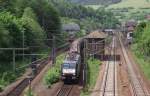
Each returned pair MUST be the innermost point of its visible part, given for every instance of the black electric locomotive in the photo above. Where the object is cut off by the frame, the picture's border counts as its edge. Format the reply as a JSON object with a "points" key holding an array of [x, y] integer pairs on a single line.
{"points": [[71, 66]]}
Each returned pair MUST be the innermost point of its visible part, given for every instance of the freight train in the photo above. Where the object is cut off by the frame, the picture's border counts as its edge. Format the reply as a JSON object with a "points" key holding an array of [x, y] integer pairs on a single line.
{"points": [[71, 67]]}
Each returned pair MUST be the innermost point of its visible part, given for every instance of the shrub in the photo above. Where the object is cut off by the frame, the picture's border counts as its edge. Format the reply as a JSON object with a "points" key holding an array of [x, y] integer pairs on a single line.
{"points": [[3, 82], [93, 64], [92, 75], [52, 76], [29, 93]]}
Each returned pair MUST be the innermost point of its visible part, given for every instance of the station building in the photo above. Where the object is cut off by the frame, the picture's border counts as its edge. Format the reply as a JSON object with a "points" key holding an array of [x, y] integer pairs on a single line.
{"points": [[96, 43]]}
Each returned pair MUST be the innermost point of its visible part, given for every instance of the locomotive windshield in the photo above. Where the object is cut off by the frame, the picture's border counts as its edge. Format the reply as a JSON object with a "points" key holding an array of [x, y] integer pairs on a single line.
{"points": [[69, 66], [131, 34]]}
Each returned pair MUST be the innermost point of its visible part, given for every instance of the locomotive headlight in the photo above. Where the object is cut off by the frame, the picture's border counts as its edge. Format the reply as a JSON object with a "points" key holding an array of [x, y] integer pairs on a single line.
{"points": [[73, 71]]}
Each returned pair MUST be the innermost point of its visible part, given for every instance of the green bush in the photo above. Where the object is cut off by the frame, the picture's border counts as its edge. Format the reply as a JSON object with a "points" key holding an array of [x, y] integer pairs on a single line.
{"points": [[3, 82], [92, 75], [142, 38], [29, 93], [52, 76]]}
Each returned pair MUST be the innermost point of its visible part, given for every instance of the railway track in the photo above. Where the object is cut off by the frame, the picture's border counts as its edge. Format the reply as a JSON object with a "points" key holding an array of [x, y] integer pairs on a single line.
{"points": [[138, 89], [109, 82], [65, 90], [16, 91], [25, 82]]}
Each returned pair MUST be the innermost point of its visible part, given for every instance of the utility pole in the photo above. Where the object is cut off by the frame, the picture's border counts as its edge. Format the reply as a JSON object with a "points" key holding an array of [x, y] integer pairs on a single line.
{"points": [[23, 41], [14, 60], [85, 67], [54, 50]]}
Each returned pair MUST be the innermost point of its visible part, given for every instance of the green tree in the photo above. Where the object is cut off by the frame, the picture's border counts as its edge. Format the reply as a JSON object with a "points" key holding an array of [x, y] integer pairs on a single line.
{"points": [[11, 33], [4, 35], [47, 15], [13, 25], [33, 30], [139, 31], [5, 4], [18, 6]]}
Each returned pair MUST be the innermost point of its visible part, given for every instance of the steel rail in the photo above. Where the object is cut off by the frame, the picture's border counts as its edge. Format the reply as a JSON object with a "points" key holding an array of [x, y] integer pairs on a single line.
{"points": [[137, 86], [65, 90], [17, 90], [108, 86]]}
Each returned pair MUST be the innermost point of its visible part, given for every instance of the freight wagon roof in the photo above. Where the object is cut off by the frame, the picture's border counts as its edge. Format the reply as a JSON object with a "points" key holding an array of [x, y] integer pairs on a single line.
{"points": [[96, 34], [73, 57], [75, 45]]}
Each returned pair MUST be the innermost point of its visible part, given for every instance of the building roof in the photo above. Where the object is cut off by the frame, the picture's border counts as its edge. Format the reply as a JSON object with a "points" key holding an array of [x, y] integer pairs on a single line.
{"points": [[96, 34], [70, 27]]}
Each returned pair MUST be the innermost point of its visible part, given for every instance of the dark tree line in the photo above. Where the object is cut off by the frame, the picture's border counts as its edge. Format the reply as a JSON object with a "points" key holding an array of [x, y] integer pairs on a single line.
{"points": [[94, 2], [101, 16]]}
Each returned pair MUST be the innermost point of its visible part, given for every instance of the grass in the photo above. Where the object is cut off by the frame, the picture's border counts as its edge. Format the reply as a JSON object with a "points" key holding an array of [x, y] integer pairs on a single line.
{"points": [[29, 92], [137, 4], [128, 9], [93, 70], [52, 76], [142, 61], [135, 9], [131, 3], [94, 6]]}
